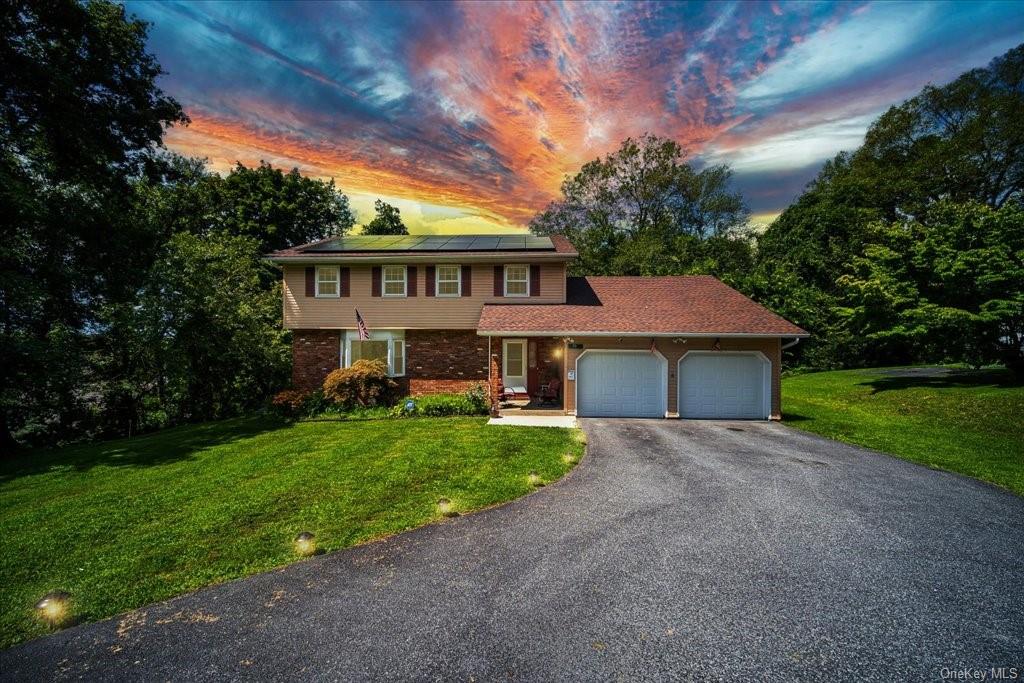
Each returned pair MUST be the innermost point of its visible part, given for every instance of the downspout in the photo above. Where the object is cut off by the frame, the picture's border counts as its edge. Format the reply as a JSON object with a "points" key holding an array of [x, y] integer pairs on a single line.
{"points": [[789, 345], [490, 380]]}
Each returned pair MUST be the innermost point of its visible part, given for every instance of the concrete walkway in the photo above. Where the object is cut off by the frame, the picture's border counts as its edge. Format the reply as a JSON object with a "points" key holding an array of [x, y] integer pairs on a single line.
{"points": [[567, 421]]}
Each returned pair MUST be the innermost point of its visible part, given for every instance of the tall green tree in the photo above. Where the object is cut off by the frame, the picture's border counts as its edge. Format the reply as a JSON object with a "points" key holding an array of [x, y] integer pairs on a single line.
{"points": [[642, 200], [80, 115], [210, 327], [947, 288], [188, 348], [279, 209], [386, 221], [961, 142]]}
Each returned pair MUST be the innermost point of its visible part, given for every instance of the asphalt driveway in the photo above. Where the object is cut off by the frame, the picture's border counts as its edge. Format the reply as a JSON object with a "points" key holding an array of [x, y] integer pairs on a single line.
{"points": [[682, 550]]}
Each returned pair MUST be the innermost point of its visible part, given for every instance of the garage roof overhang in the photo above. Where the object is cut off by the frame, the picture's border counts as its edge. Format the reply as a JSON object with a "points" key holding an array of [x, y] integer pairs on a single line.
{"points": [[584, 333]]}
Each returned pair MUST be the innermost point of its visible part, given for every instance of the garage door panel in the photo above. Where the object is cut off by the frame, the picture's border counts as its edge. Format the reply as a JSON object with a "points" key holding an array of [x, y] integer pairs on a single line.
{"points": [[612, 384], [724, 386]]}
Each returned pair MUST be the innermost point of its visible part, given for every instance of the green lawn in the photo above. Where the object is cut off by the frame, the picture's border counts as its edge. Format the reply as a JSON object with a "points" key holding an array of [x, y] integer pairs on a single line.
{"points": [[965, 421], [129, 522]]}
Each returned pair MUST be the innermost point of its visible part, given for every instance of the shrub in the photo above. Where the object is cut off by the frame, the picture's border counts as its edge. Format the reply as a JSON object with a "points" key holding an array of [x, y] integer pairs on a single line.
{"points": [[289, 403], [365, 383], [316, 404], [473, 402], [479, 398]]}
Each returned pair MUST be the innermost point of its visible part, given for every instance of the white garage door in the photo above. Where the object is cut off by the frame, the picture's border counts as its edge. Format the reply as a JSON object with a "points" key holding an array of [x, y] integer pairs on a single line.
{"points": [[610, 384], [723, 385]]}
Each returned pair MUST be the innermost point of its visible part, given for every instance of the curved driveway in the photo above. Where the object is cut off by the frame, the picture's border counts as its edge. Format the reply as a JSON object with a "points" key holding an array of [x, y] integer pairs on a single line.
{"points": [[676, 550]]}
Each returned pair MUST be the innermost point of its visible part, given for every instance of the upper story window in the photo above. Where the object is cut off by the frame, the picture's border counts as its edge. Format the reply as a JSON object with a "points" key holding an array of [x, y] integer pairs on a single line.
{"points": [[517, 280], [394, 280], [327, 281], [449, 280]]}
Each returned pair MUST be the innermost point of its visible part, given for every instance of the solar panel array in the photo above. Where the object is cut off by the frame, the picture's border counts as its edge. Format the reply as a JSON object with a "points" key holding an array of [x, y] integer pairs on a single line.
{"points": [[435, 243]]}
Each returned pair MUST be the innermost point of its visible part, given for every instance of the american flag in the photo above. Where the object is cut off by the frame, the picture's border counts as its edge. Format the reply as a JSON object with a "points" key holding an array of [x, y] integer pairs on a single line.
{"points": [[361, 325]]}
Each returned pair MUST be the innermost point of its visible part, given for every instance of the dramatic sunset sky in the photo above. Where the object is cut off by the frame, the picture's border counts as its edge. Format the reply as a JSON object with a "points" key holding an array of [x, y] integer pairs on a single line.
{"points": [[467, 116]]}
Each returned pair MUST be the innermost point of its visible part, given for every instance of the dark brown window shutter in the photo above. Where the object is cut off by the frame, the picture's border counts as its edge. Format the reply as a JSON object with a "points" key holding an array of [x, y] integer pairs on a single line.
{"points": [[346, 283], [534, 280], [410, 286], [310, 281], [428, 284], [467, 280], [499, 280], [375, 282]]}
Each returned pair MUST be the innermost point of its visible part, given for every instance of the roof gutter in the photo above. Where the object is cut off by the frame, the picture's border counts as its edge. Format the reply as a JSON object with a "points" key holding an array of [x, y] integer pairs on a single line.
{"points": [[575, 333]]}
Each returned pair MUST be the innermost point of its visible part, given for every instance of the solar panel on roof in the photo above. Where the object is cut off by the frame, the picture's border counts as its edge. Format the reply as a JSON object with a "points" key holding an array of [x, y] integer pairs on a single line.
{"points": [[484, 243], [367, 243], [406, 242], [512, 242], [432, 244]]}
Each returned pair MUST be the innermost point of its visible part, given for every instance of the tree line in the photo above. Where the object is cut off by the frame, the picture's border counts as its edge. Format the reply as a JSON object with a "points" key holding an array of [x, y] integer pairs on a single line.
{"points": [[909, 249], [133, 294]]}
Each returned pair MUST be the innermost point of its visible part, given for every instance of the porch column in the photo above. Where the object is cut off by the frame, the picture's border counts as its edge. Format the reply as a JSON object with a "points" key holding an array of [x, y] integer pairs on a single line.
{"points": [[494, 382]]}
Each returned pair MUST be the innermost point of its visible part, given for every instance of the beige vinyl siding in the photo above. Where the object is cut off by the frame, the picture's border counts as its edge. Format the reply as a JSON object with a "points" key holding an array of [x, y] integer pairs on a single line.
{"points": [[673, 351], [418, 312]]}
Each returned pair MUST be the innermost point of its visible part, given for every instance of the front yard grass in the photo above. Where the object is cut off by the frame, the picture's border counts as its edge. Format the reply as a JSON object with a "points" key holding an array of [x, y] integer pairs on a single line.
{"points": [[960, 420], [129, 522]]}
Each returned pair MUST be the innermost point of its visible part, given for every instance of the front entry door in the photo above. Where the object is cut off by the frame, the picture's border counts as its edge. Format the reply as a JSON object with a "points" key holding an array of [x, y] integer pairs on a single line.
{"points": [[513, 364]]}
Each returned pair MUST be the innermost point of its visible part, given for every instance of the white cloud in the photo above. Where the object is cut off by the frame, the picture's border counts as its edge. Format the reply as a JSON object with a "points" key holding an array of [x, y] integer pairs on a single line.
{"points": [[862, 41], [796, 148]]}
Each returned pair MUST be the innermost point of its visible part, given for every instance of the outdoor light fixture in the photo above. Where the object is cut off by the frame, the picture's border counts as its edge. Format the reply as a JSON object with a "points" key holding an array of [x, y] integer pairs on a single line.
{"points": [[305, 544], [54, 607], [444, 506], [534, 479]]}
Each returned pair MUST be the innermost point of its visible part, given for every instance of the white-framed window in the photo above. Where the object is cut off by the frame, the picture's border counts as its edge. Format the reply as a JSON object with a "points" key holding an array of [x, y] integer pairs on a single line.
{"points": [[517, 279], [328, 281], [386, 345], [449, 280], [394, 280]]}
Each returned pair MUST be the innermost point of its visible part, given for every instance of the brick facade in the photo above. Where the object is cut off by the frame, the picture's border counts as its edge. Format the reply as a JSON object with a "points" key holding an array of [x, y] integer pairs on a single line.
{"points": [[315, 353], [436, 361], [444, 361]]}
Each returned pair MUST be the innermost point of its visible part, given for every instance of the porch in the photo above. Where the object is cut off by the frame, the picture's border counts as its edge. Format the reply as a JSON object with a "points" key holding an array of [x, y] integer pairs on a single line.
{"points": [[528, 376], [529, 409]]}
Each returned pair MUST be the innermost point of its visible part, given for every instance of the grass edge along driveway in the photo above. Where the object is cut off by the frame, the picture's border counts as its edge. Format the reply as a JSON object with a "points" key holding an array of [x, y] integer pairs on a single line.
{"points": [[125, 523], [952, 419]]}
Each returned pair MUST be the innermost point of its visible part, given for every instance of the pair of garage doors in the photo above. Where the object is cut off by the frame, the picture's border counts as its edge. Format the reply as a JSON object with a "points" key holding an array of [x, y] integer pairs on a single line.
{"points": [[718, 385]]}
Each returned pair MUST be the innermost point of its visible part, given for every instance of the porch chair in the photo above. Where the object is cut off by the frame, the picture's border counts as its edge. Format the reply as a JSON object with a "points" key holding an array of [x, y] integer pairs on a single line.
{"points": [[549, 392]]}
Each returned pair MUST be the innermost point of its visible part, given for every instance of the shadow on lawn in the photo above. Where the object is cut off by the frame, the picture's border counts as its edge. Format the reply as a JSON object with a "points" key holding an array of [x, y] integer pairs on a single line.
{"points": [[179, 443], [941, 378]]}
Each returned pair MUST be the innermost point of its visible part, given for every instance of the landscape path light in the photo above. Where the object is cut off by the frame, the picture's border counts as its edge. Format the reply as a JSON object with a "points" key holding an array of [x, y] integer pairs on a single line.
{"points": [[54, 607], [305, 544]]}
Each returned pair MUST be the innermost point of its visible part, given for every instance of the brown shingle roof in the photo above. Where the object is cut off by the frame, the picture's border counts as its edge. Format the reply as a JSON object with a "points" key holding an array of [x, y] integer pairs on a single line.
{"points": [[685, 304]]}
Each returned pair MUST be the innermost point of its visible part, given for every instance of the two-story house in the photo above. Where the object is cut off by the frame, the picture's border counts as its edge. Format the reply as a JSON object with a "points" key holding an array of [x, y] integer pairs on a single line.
{"points": [[450, 312]]}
